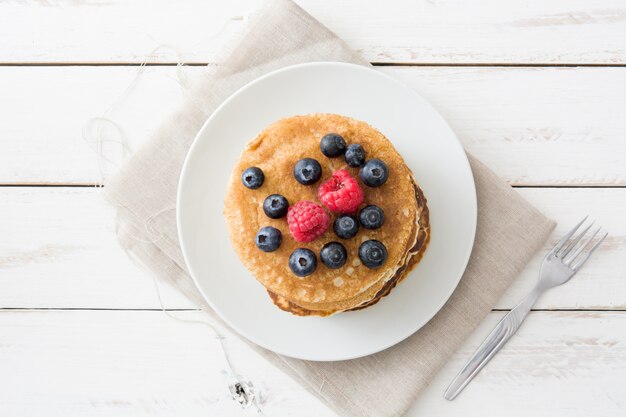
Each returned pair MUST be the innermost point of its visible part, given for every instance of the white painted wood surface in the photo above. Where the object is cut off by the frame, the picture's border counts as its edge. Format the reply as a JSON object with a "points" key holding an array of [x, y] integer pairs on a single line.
{"points": [[532, 126], [423, 31], [81, 331], [63, 253], [136, 363], [559, 363]]}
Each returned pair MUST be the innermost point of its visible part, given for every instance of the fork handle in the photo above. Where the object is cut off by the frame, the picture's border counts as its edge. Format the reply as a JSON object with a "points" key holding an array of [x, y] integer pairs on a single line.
{"points": [[498, 337]]}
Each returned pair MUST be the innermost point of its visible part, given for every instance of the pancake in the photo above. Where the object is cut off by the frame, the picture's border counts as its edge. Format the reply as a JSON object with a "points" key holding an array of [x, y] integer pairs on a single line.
{"points": [[374, 290], [415, 255], [276, 150]]}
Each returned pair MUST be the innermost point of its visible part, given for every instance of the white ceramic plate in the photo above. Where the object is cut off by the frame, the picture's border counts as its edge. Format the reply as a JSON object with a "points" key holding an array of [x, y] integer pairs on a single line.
{"points": [[428, 146]]}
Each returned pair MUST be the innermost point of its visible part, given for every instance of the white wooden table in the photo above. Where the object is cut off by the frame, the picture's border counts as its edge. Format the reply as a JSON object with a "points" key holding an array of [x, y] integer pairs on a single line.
{"points": [[537, 90]]}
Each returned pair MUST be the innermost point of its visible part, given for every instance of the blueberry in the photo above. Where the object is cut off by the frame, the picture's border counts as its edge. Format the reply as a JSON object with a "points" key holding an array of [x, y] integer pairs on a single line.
{"points": [[334, 255], [345, 226], [372, 253], [275, 206], [268, 239], [253, 177], [355, 155], [302, 262], [374, 173], [333, 145], [372, 217], [307, 171]]}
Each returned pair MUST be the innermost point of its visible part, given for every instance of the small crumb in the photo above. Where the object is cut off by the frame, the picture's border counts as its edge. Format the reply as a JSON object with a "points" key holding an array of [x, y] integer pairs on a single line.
{"points": [[356, 262], [279, 280], [405, 211], [350, 270], [338, 282], [301, 292]]}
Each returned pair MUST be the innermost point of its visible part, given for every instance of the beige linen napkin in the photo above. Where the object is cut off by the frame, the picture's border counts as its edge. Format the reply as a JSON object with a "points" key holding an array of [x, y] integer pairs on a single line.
{"points": [[509, 230]]}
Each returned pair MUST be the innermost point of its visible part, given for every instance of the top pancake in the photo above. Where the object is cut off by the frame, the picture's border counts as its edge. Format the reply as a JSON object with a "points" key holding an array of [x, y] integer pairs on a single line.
{"points": [[276, 150]]}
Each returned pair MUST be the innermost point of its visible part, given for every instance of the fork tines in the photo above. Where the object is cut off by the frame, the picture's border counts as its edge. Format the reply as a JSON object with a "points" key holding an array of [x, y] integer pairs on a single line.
{"points": [[584, 247]]}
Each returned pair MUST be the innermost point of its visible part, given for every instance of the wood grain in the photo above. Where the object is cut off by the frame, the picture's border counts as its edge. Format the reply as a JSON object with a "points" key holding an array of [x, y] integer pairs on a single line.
{"points": [[62, 253], [127, 363], [598, 285], [535, 126], [58, 249], [532, 126], [408, 31], [558, 364]]}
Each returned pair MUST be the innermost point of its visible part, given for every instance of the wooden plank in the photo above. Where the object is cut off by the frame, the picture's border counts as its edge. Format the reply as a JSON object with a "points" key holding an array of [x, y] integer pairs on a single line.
{"points": [[129, 363], [555, 32], [58, 248], [558, 364], [42, 142], [115, 32], [59, 251], [532, 126], [142, 363], [599, 285]]}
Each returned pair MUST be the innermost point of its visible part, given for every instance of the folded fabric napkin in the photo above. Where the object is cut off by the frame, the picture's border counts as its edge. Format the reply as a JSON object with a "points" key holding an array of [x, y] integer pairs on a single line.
{"points": [[509, 230]]}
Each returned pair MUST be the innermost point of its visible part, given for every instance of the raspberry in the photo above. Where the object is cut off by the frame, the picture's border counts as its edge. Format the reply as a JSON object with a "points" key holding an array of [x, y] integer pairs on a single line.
{"points": [[307, 221], [341, 193]]}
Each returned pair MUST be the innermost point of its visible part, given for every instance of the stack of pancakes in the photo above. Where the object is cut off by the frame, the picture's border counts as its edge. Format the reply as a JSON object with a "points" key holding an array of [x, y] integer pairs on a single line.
{"points": [[405, 232]]}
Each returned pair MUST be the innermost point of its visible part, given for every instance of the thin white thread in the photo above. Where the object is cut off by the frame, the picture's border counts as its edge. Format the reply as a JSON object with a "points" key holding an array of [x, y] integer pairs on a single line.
{"points": [[240, 388], [92, 132], [149, 227], [240, 384], [218, 335], [97, 140], [319, 390]]}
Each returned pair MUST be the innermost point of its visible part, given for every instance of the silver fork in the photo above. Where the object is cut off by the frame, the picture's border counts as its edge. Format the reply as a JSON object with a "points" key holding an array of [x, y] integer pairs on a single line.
{"points": [[558, 267]]}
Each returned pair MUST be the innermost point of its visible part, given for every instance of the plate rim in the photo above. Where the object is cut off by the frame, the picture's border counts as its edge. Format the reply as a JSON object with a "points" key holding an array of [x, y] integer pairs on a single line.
{"points": [[185, 170]]}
